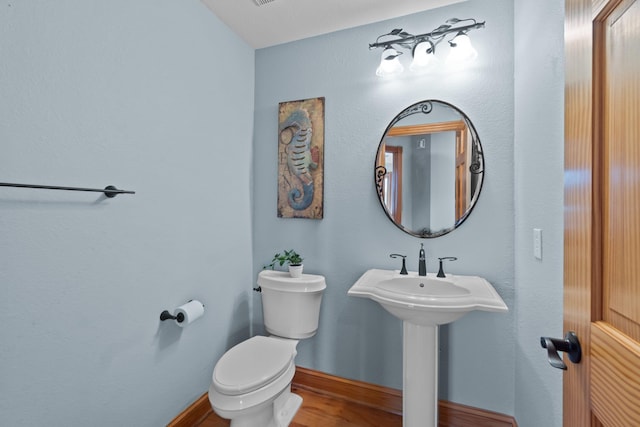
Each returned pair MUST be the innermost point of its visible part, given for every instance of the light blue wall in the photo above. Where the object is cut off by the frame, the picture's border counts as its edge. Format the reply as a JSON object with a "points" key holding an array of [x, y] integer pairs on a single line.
{"points": [[538, 165], [357, 339], [134, 94]]}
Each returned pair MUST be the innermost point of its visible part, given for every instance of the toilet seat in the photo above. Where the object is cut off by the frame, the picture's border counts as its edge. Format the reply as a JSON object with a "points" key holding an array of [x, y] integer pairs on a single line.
{"points": [[252, 364]]}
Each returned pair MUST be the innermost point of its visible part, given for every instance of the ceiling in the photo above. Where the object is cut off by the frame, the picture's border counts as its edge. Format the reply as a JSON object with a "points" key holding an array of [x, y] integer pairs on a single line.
{"points": [[280, 21]]}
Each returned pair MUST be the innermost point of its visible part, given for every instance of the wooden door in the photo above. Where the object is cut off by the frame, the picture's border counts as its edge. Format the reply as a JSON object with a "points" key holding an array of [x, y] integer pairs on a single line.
{"points": [[393, 183], [463, 179], [602, 211]]}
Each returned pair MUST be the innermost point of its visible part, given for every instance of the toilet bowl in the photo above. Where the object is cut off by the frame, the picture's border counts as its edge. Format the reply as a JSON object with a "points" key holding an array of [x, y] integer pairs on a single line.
{"points": [[251, 383]]}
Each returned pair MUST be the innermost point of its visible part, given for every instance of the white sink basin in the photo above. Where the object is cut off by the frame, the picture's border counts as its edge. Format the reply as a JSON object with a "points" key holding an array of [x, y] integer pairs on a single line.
{"points": [[424, 303], [421, 287], [427, 300]]}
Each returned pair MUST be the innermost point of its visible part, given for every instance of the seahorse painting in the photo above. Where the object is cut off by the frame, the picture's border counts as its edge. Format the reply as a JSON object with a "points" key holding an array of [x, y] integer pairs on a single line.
{"points": [[301, 159], [296, 132]]}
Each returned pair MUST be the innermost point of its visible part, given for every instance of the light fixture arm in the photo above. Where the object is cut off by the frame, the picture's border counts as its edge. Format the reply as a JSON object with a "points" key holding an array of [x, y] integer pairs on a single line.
{"points": [[408, 41]]}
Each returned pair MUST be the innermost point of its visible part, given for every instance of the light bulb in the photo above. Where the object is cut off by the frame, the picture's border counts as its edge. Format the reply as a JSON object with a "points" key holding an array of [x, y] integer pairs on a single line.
{"points": [[461, 50], [389, 63], [424, 57]]}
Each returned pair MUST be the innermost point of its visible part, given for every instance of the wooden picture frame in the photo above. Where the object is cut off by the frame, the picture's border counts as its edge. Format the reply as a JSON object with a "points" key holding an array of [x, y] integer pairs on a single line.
{"points": [[301, 159]]}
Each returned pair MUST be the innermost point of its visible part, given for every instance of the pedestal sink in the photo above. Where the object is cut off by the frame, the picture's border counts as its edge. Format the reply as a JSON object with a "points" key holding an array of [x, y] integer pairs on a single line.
{"points": [[423, 303]]}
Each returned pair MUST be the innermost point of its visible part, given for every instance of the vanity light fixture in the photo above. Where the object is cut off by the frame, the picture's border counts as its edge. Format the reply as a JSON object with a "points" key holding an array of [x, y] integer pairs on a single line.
{"points": [[423, 46]]}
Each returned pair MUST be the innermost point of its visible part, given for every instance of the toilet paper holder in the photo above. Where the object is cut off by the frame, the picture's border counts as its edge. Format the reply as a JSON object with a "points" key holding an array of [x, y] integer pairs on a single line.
{"points": [[166, 315]]}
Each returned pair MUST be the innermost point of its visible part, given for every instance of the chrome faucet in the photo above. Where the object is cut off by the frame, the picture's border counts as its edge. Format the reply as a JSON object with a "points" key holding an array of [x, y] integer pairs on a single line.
{"points": [[422, 262]]}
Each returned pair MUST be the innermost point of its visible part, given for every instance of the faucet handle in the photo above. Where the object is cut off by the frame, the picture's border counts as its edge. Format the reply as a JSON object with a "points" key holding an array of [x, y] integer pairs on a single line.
{"points": [[446, 258], [404, 265]]}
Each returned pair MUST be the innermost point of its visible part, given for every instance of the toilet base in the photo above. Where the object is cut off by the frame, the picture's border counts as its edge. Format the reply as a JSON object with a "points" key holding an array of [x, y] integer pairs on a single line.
{"points": [[275, 413], [285, 408]]}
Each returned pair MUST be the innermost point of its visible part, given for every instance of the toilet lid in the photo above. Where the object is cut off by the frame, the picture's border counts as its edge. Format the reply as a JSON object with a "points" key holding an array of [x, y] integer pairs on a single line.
{"points": [[252, 364]]}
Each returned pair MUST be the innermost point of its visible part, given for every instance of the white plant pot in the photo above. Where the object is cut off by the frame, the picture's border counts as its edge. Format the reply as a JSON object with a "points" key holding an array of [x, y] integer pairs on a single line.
{"points": [[296, 270]]}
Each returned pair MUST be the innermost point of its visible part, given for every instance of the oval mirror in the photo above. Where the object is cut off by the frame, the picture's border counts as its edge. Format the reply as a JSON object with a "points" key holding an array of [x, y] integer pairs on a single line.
{"points": [[429, 169]]}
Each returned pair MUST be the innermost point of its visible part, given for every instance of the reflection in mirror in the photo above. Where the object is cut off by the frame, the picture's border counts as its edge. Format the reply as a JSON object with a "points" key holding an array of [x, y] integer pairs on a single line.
{"points": [[429, 169]]}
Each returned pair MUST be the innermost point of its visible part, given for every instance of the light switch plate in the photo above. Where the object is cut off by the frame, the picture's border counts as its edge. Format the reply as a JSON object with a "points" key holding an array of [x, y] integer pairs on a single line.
{"points": [[537, 243]]}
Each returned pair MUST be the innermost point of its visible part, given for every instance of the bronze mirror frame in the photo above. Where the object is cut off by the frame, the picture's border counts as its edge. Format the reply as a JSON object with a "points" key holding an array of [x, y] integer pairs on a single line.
{"points": [[476, 165]]}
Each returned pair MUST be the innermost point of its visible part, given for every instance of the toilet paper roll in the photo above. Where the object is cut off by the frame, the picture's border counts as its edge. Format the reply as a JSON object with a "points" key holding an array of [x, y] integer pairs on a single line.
{"points": [[190, 311]]}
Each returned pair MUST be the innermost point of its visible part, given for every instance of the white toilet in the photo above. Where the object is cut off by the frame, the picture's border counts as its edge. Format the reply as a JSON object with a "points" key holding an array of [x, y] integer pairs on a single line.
{"points": [[251, 383]]}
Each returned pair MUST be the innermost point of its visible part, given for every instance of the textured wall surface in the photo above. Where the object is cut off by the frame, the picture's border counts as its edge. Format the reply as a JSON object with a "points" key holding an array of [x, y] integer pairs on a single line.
{"points": [[131, 94], [357, 338], [539, 154]]}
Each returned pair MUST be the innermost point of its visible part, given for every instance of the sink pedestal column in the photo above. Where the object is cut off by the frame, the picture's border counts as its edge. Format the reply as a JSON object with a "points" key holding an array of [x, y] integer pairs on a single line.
{"points": [[420, 375]]}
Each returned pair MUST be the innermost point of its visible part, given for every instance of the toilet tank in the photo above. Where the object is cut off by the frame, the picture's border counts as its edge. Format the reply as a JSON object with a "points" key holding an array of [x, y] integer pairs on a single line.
{"points": [[291, 306]]}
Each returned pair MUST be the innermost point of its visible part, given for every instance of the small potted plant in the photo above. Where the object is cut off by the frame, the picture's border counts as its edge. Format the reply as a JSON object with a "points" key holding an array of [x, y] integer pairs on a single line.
{"points": [[290, 257]]}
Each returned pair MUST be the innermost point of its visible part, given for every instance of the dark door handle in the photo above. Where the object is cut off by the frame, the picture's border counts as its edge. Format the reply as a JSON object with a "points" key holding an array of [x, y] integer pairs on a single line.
{"points": [[570, 345]]}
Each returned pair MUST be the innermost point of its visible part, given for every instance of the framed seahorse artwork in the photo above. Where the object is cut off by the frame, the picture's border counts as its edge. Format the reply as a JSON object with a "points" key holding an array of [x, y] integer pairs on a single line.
{"points": [[301, 159]]}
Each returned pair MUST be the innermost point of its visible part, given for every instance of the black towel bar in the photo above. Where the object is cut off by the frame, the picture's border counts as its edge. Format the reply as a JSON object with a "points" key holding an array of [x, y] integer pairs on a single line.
{"points": [[109, 191]]}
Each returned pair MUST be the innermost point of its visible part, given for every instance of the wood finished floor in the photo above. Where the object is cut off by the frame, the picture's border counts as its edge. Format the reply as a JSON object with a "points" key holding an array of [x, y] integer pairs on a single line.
{"points": [[321, 410]]}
